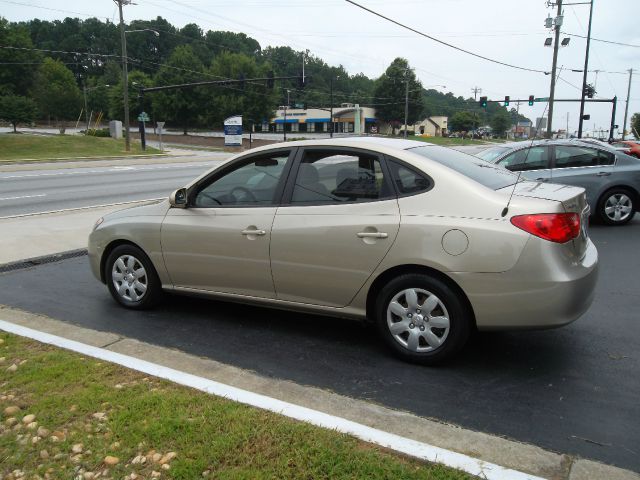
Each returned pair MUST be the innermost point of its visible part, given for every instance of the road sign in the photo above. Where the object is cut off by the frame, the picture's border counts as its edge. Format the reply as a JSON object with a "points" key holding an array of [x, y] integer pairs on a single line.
{"points": [[161, 125], [541, 99], [143, 117]]}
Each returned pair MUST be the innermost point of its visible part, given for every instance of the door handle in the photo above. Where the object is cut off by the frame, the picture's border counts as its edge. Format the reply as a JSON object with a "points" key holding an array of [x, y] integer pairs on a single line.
{"points": [[253, 232], [372, 235], [542, 179], [603, 174]]}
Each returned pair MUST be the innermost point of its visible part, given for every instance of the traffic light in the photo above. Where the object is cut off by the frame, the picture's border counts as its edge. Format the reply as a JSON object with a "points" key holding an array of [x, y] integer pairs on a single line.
{"points": [[589, 91], [506, 101], [270, 81], [531, 100], [483, 102]]}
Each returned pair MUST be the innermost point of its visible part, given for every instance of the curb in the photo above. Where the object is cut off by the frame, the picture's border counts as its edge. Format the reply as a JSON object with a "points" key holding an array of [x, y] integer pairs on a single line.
{"points": [[28, 161]]}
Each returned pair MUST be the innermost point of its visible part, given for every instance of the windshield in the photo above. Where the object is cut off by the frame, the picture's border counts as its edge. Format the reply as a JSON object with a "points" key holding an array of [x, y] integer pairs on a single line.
{"points": [[490, 154], [485, 173]]}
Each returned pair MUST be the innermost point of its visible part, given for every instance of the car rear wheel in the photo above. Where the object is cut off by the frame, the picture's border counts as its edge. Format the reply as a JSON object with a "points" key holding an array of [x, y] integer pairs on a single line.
{"points": [[131, 278], [616, 207], [422, 319]]}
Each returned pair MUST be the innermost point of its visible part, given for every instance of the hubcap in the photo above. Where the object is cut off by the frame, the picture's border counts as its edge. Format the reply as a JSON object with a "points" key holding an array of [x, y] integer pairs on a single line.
{"points": [[618, 207], [129, 278], [419, 308]]}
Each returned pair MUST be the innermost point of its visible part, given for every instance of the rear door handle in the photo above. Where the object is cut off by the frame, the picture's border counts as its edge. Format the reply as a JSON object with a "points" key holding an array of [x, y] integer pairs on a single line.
{"points": [[542, 179], [372, 235], [253, 232], [603, 174]]}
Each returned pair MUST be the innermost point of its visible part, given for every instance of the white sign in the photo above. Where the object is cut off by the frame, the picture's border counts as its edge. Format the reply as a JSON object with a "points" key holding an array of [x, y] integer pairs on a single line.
{"points": [[233, 131]]}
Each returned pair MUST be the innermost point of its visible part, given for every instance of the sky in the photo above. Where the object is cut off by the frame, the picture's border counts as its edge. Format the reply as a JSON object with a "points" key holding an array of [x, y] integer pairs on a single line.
{"points": [[510, 31]]}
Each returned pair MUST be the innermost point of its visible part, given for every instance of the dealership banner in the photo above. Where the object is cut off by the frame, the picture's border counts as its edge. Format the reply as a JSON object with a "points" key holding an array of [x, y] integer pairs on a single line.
{"points": [[233, 131]]}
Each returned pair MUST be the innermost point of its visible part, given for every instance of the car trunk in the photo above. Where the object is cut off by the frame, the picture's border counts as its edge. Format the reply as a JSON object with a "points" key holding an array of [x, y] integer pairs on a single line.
{"points": [[573, 199]]}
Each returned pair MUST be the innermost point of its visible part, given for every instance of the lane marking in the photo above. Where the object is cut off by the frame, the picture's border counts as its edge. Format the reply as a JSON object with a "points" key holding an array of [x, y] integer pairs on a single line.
{"points": [[20, 215], [116, 169], [405, 446], [24, 196]]}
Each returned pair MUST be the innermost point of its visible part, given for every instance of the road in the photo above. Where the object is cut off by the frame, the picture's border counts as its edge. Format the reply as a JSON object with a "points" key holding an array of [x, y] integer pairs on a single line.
{"points": [[573, 390], [46, 190]]}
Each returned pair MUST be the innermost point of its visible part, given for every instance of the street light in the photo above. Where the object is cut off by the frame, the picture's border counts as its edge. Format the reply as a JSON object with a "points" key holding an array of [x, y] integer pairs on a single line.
{"points": [[86, 110]]}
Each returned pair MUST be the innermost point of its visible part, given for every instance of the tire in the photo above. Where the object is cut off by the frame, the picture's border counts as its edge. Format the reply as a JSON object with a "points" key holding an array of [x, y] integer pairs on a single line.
{"points": [[131, 278], [616, 207], [413, 336]]}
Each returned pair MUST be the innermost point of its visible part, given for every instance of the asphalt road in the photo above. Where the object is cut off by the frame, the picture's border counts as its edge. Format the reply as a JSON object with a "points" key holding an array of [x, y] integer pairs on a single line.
{"points": [[45, 190], [572, 390]]}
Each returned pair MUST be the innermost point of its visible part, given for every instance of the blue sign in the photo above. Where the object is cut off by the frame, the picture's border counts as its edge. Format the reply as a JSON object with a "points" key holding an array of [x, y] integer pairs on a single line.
{"points": [[233, 131]]}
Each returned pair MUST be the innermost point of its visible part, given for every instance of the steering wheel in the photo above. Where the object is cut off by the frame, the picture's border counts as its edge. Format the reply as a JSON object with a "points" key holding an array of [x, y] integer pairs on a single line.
{"points": [[247, 193]]}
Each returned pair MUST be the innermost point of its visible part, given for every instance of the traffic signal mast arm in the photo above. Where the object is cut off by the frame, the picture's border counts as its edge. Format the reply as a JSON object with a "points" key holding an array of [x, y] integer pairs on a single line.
{"points": [[544, 99]]}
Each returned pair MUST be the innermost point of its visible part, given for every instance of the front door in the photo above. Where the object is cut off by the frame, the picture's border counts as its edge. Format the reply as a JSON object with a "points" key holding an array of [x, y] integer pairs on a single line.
{"points": [[220, 243], [339, 218]]}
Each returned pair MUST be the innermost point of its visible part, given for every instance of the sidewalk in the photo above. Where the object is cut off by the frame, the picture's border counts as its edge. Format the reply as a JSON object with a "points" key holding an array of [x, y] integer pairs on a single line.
{"points": [[41, 235]]}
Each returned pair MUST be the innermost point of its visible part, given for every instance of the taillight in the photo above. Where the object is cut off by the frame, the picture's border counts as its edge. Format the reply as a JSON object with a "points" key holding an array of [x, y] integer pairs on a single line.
{"points": [[555, 227]]}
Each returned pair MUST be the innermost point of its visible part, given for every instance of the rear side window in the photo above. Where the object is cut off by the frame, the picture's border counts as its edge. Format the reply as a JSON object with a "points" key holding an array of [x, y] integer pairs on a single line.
{"points": [[407, 180], [332, 177], [569, 156], [485, 173]]}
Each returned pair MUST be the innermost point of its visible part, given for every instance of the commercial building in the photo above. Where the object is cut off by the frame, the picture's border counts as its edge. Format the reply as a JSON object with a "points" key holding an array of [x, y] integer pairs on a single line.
{"points": [[347, 118]]}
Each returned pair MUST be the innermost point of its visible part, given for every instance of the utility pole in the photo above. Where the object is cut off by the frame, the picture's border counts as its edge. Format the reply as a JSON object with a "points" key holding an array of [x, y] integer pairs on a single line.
{"points": [[406, 101], [558, 23], [86, 113], [476, 91], [125, 75], [586, 70], [626, 108], [331, 108]]}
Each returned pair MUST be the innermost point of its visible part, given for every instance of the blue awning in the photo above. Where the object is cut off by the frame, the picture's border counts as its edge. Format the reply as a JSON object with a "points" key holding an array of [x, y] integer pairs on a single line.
{"points": [[371, 120], [289, 120], [318, 120]]}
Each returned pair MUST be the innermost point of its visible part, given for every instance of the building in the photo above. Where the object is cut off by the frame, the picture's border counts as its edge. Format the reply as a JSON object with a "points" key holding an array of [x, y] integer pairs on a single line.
{"points": [[347, 118], [431, 127]]}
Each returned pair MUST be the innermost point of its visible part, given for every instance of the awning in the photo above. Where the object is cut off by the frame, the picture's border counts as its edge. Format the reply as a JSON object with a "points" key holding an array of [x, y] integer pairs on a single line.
{"points": [[318, 120], [289, 120]]}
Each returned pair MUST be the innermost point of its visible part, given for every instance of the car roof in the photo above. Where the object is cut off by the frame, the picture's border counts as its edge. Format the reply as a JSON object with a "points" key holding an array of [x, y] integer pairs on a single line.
{"points": [[366, 141]]}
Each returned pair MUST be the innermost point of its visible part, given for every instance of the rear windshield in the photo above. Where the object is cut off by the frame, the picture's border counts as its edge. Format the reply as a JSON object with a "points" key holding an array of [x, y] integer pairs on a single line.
{"points": [[485, 173], [490, 154]]}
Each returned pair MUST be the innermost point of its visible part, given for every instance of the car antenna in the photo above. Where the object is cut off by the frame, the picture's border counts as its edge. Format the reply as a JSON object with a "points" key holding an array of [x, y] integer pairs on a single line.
{"points": [[505, 210]]}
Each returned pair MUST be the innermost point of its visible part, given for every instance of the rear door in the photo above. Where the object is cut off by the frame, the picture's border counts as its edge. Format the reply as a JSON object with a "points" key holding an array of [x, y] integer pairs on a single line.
{"points": [[534, 162], [583, 166], [338, 220]]}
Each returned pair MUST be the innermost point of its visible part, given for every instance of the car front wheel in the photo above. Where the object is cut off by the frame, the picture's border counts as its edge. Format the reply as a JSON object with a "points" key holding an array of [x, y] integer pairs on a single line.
{"points": [[131, 278], [616, 207], [422, 319]]}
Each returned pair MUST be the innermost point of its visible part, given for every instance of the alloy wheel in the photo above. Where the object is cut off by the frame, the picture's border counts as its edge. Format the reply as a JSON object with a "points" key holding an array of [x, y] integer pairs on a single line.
{"points": [[129, 278]]}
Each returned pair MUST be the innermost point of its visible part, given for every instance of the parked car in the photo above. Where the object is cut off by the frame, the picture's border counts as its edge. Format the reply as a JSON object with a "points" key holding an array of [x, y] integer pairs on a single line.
{"points": [[426, 242], [610, 177], [628, 146]]}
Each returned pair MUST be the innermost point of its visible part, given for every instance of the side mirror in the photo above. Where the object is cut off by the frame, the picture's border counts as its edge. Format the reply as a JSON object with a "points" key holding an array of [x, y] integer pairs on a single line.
{"points": [[178, 199]]}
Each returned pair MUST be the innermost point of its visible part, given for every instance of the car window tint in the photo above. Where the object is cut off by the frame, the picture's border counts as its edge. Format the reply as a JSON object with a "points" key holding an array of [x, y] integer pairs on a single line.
{"points": [[252, 183], [534, 158], [331, 177], [485, 173], [570, 156], [407, 180], [492, 153]]}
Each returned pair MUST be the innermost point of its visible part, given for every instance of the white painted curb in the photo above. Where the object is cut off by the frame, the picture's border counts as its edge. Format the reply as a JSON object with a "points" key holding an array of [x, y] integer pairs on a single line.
{"points": [[406, 446]]}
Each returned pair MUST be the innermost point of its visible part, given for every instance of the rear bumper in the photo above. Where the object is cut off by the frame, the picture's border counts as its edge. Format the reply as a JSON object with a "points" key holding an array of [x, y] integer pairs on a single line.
{"points": [[545, 289]]}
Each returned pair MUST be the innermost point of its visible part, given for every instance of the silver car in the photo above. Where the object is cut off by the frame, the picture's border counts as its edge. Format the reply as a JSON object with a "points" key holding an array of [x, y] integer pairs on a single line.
{"points": [[611, 178], [423, 241]]}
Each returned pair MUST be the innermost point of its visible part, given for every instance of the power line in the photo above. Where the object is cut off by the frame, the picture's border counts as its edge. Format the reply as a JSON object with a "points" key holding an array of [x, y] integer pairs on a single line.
{"points": [[603, 41], [445, 43]]}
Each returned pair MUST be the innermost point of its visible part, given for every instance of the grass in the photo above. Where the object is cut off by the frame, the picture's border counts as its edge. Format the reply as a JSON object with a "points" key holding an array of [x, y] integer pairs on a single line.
{"points": [[87, 410], [16, 147], [452, 142]]}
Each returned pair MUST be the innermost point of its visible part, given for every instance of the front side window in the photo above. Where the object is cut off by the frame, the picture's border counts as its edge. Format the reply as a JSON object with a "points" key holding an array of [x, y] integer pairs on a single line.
{"points": [[569, 156], [252, 183], [534, 158], [333, 177]]}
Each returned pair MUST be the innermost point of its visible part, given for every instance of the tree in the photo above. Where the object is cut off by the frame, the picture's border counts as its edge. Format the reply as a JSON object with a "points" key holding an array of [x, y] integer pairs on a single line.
{"points": [[56, 93], [16, 109], [18, 65], [182, 106], [254, 101], [464, 122], [500, 122], [390, 94], [137, 79], [635, 125]]}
